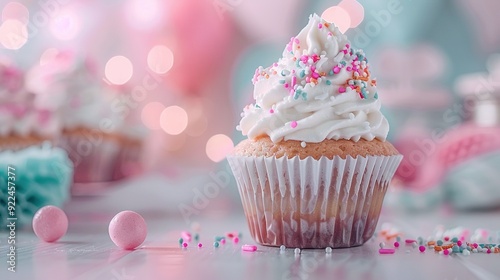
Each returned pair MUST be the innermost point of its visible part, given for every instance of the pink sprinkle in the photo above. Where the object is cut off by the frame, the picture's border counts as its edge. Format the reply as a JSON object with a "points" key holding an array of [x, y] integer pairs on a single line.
{"points": [[293, 124], [320, 26], [459, 243], [223, 241], [347, 46], [330, 34], [200, 245], [249, 248], [297, 41], [396, 244], [313, 68], [186, 236], [446, 238], [184, 244], [287, 85], [315, 75], [272, 112], [304, 58], [236, 240], [349, 68], [489, 251], [275, 64], [446, 252], [421, 249], [231, 234], [336, 70], [410, 241], [341, 89], [345, 51], [308, 79], [386, 251], [294, 81], [475, 245]]}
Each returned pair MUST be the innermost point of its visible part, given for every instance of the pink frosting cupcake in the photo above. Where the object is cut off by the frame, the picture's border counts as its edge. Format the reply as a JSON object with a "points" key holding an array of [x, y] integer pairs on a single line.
{"points": [[22, 122], [96, 137]]}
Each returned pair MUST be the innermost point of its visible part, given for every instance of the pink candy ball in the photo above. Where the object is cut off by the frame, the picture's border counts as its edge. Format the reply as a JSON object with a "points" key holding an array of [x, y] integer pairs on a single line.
{"points": [[50, 223], [127, 230]]}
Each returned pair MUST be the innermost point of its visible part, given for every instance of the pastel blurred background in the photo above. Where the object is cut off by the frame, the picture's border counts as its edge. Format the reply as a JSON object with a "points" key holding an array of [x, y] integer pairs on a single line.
{"points": [[161, 84]]}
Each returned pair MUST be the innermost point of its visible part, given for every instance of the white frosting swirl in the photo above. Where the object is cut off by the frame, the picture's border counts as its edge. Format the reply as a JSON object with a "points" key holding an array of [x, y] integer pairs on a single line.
{"points": [[320, 89]]}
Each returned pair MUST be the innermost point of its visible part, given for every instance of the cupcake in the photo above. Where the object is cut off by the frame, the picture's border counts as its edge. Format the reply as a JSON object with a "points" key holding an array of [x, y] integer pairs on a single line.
{"points": [[315, 167], [93, 119], [22, 122]]}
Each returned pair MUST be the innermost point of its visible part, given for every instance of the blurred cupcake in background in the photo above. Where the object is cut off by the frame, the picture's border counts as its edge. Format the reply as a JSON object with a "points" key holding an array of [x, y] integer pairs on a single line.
{"points": [[22, 122], [42, 174], [101, 143]]}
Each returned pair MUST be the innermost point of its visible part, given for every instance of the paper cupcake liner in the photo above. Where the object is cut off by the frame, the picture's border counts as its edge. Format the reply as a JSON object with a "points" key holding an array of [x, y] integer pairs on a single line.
{"points": [[313, 203], [98, 157]]}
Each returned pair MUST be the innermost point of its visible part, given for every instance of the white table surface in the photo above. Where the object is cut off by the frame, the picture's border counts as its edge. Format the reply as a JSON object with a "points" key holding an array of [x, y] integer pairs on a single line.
{"points": [[86, 252]]}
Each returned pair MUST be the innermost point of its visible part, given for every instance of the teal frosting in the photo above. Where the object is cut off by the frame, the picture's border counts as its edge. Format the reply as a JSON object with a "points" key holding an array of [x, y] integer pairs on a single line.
{"points": [[474, 183], [43, 176]]}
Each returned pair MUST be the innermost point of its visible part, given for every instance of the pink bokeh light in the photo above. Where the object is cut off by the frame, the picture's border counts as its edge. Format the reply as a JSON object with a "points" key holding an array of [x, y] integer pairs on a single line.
{"points": [[13, 34], [119, 70], [218, 147], [144, 14], [17, 11], [174, 120], [150, 115], [160, 59], [66, 25], [355, 10], [338, 16]]}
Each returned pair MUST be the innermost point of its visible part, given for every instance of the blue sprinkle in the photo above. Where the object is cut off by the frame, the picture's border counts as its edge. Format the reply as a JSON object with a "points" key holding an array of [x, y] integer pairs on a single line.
{"points": [[216, 244], [454, 240], [304, 96], [282, 82], [330, 73], [328, 82], [376, 97], [302, 73], [257, 106], [455, 249], [363, 92], [181, 240], [343, 63], [196, 237], [219, 238]]}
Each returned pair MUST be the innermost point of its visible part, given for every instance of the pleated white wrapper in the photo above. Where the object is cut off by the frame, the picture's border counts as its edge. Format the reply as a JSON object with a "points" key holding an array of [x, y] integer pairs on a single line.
{"points": [[313, 203]]}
